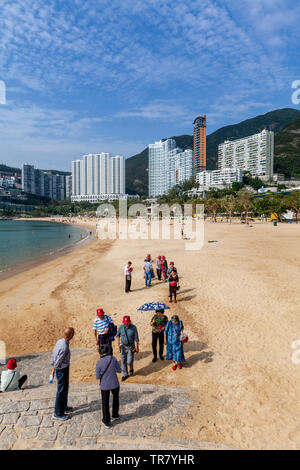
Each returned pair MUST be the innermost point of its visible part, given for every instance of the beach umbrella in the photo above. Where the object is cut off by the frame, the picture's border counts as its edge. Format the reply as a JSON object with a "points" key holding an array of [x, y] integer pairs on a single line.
{"points": [[153, 306]]}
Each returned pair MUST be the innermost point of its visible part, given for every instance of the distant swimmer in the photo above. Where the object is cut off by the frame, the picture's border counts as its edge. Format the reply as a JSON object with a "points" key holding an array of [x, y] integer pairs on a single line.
{"points": [[69, 235]]}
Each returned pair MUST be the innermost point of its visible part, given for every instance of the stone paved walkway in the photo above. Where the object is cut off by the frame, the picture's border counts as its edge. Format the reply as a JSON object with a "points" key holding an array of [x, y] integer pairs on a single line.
{"points": [[147, 414]]}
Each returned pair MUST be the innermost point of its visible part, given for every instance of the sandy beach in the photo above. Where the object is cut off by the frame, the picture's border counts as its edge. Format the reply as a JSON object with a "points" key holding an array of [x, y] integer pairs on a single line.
{"points": [[239, 302]]}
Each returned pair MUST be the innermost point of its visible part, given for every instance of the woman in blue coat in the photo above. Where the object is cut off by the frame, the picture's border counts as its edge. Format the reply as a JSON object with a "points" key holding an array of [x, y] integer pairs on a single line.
{"points": [[172, 332]]}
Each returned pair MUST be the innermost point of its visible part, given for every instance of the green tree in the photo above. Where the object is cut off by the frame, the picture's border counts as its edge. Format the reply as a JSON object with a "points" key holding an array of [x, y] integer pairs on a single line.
{"points": [[229, 204], [245, 202], [212, 205]]}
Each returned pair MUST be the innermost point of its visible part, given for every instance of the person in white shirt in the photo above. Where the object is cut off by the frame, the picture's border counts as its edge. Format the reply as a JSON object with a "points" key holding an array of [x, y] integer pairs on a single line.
{"points": [[128, 276], [10, 378]]}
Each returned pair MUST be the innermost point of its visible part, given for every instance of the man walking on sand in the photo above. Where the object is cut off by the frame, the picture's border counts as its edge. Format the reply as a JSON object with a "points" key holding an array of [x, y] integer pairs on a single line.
{"points": [[126, 336], [147, 269], [60, 360], [101, 327]]}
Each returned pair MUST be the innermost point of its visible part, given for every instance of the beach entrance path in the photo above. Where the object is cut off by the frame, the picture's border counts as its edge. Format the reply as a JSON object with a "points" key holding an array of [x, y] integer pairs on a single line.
{"points": [[152, 417]]}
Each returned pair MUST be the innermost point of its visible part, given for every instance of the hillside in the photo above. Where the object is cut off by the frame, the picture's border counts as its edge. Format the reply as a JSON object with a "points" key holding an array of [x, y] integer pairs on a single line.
{"points": [[136, 166], [287, 150], [4, 167]]}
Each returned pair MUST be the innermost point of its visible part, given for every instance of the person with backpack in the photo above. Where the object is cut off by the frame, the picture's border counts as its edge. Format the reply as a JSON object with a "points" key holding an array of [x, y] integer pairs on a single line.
{"points": [[128, 342], [106, 371], [103, 327], [10, 378]]}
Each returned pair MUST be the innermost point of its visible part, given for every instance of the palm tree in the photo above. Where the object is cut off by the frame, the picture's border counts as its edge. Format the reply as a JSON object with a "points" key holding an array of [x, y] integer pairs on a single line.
{"points": [[229, 204], [245, 202], [212, 206]]}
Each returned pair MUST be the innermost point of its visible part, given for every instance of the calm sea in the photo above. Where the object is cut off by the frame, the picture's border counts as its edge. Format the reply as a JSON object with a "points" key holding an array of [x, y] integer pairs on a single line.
{"points": [[26, 241]]}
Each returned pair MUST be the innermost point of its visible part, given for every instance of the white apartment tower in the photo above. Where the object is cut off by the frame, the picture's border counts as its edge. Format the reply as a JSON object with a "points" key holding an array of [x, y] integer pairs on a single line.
{"points": [[254, 153], [97, 174], [168, 165]]}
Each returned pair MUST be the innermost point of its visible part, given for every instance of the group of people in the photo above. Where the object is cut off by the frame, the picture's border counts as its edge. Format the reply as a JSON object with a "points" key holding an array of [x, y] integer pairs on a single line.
{"points": [[163, 272], [165, 332]]}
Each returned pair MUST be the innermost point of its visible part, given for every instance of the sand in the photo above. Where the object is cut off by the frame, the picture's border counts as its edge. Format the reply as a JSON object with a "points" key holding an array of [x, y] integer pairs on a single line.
{"points": [[239, 301]]}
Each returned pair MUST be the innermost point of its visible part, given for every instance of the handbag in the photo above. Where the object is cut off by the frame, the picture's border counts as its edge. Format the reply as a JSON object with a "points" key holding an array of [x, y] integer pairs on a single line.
{"points": [[132, 346]]}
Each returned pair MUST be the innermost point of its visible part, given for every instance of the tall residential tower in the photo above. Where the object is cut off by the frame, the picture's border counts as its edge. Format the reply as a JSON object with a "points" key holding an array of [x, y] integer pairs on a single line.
{"points": [[199, 144], [98, 177]]}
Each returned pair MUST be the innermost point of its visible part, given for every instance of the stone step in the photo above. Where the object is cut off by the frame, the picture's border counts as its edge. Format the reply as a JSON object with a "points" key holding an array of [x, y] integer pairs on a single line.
{"points": [[148, 412]]}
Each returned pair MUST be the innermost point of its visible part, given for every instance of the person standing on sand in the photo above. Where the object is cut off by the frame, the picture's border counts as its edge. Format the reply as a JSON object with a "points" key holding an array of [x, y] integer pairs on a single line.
{"points": [[126, 336], [147, 269], [158, 268], [158, 323], [173, 342], [106, 371], [101, 327], [60, 360], [128, 275], [173, 281], [164, 267]]}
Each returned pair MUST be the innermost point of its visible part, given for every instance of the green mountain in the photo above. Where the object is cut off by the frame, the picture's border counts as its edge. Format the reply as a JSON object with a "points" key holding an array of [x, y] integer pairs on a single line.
{"points": [[137, 166], [4, 167], [287, 150]]}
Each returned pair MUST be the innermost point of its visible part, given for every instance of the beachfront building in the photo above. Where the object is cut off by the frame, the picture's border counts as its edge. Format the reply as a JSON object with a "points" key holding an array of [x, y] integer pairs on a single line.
{"points": [[168, 165], [219, 178], [199, 144], [68, 187], [43, 183], [254, 153], [98, 177]]}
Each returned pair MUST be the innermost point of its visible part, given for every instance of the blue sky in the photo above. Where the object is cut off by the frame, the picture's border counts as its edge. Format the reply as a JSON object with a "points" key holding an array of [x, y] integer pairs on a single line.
{"points": [[113, 76]]}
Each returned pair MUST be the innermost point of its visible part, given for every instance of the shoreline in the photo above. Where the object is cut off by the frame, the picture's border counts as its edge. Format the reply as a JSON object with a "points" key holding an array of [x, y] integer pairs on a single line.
{"points": [[60, 252]]}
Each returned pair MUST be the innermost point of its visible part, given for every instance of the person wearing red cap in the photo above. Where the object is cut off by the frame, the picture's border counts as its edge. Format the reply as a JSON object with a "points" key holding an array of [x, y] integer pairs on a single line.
{"points": [[101, 327], [128, 342], [158, 268], [128, 276], [169, 273], [164, 267], [173, 281], [10, 378]]}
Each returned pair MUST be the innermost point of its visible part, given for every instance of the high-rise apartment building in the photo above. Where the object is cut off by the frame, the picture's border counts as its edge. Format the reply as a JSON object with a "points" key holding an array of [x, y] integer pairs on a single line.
{"points": [[97, 176], [43, 183], [254, 153], [68, 187], [168, 165], [199, 144]]}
